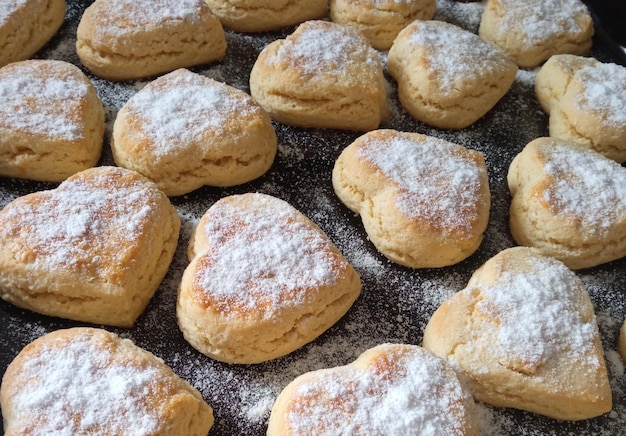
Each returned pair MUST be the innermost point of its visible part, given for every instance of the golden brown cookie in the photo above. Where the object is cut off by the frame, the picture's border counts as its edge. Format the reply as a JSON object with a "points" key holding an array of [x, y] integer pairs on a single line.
{"points": [[184, 130], [524, 333], [94, 249], [264, 15], [51, 121], [90, 381], [621, 342], [390, 389], [263, 281], [585, 100], [447, 76], [323, 75], [26, 26], [380, 20], [132, 39], [531, 31], [424, 201], [568, 201]]}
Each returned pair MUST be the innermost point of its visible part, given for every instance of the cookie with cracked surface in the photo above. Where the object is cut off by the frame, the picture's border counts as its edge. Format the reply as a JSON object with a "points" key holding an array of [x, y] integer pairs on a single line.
{"points": [[94, 249], [424, 201], [569, 201], [447, 76], [323, 75], [131, 39], [184, 130], [524, 333], [263, 281], [89, 381]]}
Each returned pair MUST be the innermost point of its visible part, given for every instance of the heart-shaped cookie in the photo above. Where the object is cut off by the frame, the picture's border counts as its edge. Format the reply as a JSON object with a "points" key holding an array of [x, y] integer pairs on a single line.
{"points": [[392, 389], [424, 201], [51, 121], [525, 334], [94, 249], [569, 201], [323, 75], [263, 281]]}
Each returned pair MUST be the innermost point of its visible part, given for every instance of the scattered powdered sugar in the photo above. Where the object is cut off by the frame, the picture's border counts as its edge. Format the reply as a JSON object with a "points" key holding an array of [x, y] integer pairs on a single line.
{"points": [[179, 108], [78, 388], [454, 53], [8, 8], [466, 15], [41, 105], [548, 303], [539, 21], [326, 47], [262, 254], [410, 393], [605, 91], [587, 186], [437, 183], [67, 225]]}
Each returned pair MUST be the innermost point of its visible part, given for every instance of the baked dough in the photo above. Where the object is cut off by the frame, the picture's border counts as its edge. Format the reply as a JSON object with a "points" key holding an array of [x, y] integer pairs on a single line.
{"points": [[263, 281], [447, 76], [89, 381], [424, 201], [380, 20], [390, 389], [26, 26], [524, 333], [131, 39], [568, 201], [184, 130], [323, 75], [94, 249], [51, 121], [531, 31], [264, 15], [585, 100]]}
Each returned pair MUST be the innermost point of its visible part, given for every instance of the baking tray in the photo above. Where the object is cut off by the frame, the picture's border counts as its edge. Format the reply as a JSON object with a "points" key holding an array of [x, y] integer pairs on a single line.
{"points": [[396, 302]]}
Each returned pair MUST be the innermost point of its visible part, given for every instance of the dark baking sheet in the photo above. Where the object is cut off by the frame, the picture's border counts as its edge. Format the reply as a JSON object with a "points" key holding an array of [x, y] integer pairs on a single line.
{"points": [[396, 302]]}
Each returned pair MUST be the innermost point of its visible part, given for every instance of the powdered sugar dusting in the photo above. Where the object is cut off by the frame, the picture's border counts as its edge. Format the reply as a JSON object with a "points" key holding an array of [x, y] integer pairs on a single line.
{"points": [[8, 8], [541, 20], [453, 53], [436, 182], [66, 226], [41, 105], [417, 387], [80, 377], [324, 47], [549, 305], [263, 254], [605, 91], [586, 186], [181, 107]]}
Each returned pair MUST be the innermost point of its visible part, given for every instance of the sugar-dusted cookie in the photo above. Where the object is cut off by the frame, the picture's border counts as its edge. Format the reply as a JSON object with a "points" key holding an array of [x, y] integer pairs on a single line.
{"points": [[447, 76], [93, 249], [524, 333], [621, 341], [131, 39], [424, 201], [323, 75], [380, 20], [586, 101], [264, 15], [263, 281], [184, 130], [26, 26], [89, 381], [392, 389], [531, 31], [569, 201], [51, 121]]}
